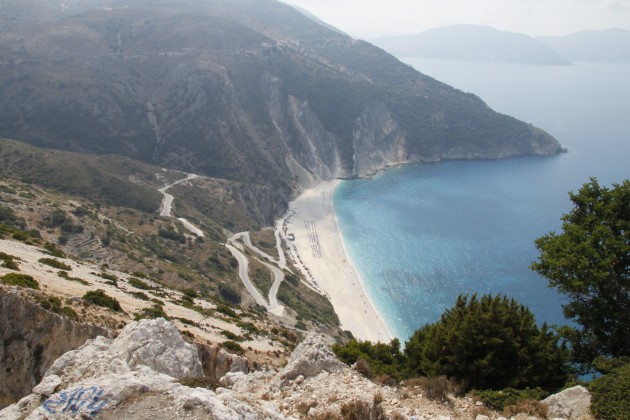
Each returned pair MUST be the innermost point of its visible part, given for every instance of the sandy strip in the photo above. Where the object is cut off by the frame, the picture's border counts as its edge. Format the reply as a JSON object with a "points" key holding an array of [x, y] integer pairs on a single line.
{"points": [[322, 257]]}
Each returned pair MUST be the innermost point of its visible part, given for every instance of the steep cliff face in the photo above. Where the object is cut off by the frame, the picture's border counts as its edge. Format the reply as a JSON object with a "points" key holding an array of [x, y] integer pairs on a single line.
{"points": [[248, 91], [31, 339]]}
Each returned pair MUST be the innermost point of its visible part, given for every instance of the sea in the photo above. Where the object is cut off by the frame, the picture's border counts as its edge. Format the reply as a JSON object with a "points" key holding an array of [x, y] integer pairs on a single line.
{"points": [[421, 235]]}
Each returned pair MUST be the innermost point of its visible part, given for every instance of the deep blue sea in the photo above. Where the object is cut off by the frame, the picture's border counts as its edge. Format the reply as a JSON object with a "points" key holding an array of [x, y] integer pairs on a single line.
{"points": [[422, 234]]}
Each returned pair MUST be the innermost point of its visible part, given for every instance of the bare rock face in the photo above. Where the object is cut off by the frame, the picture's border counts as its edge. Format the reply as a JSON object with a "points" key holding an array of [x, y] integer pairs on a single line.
{"points": [[158, 345], [31, 339], [572, 403], [217, 362], [103, 374], [310, 358]]}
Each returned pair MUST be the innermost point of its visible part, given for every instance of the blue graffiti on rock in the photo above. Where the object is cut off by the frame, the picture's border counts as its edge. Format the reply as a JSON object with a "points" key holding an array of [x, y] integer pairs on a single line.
{"points": [[84, 400]]}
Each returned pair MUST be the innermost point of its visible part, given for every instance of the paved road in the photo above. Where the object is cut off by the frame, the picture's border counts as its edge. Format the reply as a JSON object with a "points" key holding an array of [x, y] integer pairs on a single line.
{"points": [[243, 269], [243, 263], [167, 202]]}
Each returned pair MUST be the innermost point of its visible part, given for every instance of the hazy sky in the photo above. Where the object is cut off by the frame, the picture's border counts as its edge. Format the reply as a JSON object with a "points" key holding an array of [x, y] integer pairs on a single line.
{"points": [[373, 18]]}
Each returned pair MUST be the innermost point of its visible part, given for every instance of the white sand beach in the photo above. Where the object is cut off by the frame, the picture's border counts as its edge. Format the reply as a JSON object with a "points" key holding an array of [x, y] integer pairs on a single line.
{"points": [[319, 252]]}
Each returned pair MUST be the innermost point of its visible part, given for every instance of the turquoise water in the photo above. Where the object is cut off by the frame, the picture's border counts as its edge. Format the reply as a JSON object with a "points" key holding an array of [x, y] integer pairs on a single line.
{"points": [[420, 235]]}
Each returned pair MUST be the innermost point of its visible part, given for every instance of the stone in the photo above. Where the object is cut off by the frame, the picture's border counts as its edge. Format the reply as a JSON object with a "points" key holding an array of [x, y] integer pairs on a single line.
{"points": [[144, 361], [310, 357], [572, 403]]}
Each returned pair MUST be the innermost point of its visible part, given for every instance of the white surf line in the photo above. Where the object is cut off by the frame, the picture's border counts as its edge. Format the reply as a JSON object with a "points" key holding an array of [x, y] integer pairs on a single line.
{"points": [[167, 202], [243, 269]]}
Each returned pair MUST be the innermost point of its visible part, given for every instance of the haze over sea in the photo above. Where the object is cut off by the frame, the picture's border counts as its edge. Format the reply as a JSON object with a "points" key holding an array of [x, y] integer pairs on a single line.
{"points": [[422, 234]]}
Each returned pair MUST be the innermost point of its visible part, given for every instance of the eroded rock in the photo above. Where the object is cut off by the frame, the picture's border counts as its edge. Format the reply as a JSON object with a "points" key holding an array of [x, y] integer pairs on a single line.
{"points": [[572, 403]]}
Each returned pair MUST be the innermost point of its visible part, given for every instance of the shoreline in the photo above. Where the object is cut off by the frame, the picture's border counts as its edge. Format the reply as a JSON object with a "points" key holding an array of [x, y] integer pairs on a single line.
{"points": [[318, 250]]}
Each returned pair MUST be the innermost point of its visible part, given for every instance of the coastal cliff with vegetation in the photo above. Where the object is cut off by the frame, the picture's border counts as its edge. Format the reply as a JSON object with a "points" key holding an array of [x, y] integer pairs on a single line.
{"points": [[248, 91], [235, 107]]}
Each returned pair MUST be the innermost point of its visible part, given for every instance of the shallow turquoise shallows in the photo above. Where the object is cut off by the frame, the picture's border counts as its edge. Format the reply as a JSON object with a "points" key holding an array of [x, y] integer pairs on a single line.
{"points": [[422, 234]]}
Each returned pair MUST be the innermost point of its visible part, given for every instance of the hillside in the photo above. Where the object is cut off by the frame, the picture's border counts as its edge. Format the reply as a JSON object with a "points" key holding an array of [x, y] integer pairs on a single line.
{"points": [[93, 224], [473, 43], [611, 45], [248, 91]]}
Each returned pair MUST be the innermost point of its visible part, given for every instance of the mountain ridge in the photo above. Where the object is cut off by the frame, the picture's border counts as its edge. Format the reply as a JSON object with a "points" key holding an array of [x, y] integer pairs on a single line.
{"points": [[248, 91], [472, 42], [608, 45]]}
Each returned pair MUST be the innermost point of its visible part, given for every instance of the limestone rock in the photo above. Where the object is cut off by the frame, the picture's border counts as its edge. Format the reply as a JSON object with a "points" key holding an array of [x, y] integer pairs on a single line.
{"points": [[310, 357], [143, 362], [158, 345], [572, 403]]}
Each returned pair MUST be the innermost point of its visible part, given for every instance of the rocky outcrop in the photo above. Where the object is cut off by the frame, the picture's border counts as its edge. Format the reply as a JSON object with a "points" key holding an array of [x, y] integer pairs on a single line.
{"points": [[217, 362], [31, 339], [572, 403], [130, 377], [311, 357], [146, 358]]}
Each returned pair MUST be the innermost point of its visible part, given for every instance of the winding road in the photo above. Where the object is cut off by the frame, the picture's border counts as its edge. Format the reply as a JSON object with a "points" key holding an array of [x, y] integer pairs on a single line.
{"points": [[167, 203], [237, 250]]}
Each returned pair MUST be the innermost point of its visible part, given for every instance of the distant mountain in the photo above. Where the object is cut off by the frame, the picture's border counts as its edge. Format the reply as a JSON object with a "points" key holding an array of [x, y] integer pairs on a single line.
{"points": [[611, 45], [250, 91], [474, 43]]}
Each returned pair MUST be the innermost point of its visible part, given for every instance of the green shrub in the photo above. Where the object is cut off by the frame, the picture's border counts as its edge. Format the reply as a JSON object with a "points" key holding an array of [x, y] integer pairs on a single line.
{"points": [[382, 359], [191, 293], [231, 336], [54, 263], [21, 280], [226, 310], [232, 346], [99, 298], [51, 303], [64, 275], [8, 261], [611, 398], [187, 321], [140, 295], [500, 400], [54, 250], [228, 294], [110, 277], [248, 326], [69, 312], [155, 311], [139, 284]]}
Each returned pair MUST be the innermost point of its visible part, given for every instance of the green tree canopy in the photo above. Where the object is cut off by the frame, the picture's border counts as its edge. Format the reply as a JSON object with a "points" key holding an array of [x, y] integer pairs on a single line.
{"points": [[589, 262], [490, 342]]}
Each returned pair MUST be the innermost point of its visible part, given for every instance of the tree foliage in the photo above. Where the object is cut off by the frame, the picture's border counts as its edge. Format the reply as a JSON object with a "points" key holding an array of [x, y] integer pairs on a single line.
{"points": [[490, 342], [611, 399], [589, 262], [383, 359]]}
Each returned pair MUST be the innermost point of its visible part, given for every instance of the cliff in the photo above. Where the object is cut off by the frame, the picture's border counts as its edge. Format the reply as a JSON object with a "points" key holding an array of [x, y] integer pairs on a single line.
{"points": [[31, 339]]}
